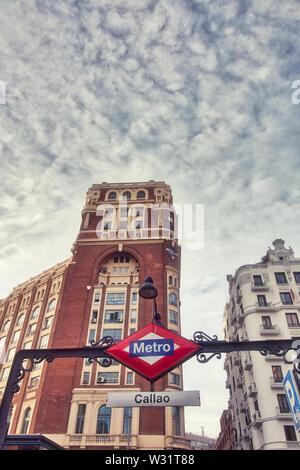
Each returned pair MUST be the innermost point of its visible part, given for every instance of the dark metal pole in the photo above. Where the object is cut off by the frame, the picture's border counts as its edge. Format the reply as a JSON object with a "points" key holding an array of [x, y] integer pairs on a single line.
{"points": [[35, 356]]}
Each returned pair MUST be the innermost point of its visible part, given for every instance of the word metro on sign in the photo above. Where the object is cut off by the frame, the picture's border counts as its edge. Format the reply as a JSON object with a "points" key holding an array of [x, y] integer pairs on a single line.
{"points": [[153, 351], [151, 347]]}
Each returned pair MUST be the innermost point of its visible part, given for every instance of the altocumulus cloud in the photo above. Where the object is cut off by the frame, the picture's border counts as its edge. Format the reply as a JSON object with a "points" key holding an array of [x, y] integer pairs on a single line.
{"points": [[194, 93]]}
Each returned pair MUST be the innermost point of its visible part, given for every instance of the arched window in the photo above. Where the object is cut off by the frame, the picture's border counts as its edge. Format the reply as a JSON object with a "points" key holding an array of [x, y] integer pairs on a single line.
{"points": [[127, 194], [141, 195], [20, 319], [173, 299], [112, 195], [103, 420], [51, 305], [35, 312], [6, 325], [26, 420]]}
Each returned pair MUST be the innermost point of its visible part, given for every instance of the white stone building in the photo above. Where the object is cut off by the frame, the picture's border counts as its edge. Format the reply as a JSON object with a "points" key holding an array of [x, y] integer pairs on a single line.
{"points": [[264, 304]]}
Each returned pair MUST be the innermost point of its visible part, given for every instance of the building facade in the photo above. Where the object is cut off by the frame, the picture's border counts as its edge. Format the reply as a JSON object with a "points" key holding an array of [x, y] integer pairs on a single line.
{"points": [[127, 233], [225, 440], [264, 304]]}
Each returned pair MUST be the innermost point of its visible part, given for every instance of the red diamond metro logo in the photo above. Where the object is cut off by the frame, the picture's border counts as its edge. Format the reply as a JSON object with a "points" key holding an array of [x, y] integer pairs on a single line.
{"points": [[153, 351]]}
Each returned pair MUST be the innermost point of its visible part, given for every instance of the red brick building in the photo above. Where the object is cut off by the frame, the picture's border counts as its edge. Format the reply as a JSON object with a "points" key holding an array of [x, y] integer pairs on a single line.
{"points": [[225, 439], [127, 233]]}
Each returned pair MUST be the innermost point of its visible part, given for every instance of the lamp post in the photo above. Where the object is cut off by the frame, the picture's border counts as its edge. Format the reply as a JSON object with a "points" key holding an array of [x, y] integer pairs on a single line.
{"points": [[149, 291]]}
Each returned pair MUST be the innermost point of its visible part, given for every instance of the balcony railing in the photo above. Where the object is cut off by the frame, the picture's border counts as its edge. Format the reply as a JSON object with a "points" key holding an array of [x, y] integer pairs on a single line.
{"points": [[266, 307], [177, 442], [104, 440], [269, 330], [275, 383], [283, 413], [260, 287]]}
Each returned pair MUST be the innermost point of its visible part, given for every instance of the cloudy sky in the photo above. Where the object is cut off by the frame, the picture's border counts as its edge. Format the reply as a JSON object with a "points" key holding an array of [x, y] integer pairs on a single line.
{"points": [[195, 93]]}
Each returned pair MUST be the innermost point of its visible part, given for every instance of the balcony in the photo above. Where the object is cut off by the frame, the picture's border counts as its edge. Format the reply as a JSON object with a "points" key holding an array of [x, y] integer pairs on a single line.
{"points": [[236, 359], [269, 330], [252, 390], [283, 413], [102, 440], [256, 420], [263, 287], [276, 383], [266, 307], [177, 442], [243, 406], [248, 363]]}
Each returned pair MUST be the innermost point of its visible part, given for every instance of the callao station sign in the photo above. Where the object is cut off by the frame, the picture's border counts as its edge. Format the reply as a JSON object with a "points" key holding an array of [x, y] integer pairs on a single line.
{"points": [[152, 352]]}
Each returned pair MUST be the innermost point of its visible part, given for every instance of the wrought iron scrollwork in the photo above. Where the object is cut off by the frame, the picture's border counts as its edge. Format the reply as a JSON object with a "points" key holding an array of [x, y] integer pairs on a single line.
{"points": [[201, 337], [276, 350], [106, 341], [15, 388]]}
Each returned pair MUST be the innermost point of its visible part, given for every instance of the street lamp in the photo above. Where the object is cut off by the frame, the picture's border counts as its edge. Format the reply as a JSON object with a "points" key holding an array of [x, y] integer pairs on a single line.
{"points": [[149, 291]]}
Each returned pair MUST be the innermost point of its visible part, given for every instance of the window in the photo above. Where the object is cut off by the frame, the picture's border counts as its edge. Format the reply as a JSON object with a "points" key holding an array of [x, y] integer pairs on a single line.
{"points": [[257, 280], [97, 298], [11, 354], [297, 278], [115, 333], [113, 316], [277, 374], [94, 316], [133, 315], [176, 420], [103, 420], [20, 320], [80, 418], [124, 212], [262, 301], [123, 225], [27, 345], [173, 317], [92, 335], [266, 322], [290, 433], [6, 325], [170, 280], [141, 195], [127, 194], [107, 226], [129, 378], [134, 297], [16, 336], [283, 403], [112, 195], [43, 341], [34, 381], [280, 278], [174, 379], [286, 298], [31, 329], [51, 305], [292, 320], [4, 374], [47, 323], [173, 299], [108, 377], [127, 420], [115, 298], [139, 212], [26, 419], [138, 224], [86, 378]]}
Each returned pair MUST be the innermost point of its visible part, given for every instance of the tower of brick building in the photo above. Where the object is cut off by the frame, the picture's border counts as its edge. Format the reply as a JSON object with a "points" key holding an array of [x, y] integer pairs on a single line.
{"points": [[127, 233]]}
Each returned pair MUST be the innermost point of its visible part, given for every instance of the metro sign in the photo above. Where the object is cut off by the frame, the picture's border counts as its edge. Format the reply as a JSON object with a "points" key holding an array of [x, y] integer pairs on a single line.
{"points": [[153, 351]]}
